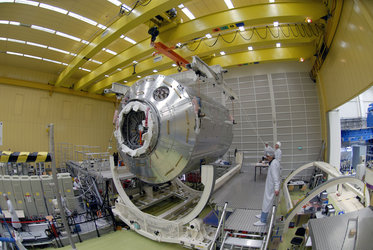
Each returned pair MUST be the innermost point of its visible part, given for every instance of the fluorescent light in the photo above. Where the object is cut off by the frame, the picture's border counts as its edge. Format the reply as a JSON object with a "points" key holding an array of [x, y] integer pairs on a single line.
{"points": [[53, 8], [52, 61], [222, 53], [106, 75], [59, 50], [275, 24], [174, 65], [84, 69], [111, 52], [271, 1], [14, 23], [138, 76], [155, 71], [181, 6], [208, 36], [3, 38], [37, 45], [241, 28], [16, 41], [229, 4], [6, 1], [116, 2], [102, 26], [65, 64], [4, 22], [250, 48], [121, 36], [95, 61], [14, 53], [129, 40], [73, 54], [135, 62], [68, 36], [85, 42], [82, 18], [188, 13], [125, 81], [42, 29], [119, 69], [33, 3], [34, 57], [278, 45]]}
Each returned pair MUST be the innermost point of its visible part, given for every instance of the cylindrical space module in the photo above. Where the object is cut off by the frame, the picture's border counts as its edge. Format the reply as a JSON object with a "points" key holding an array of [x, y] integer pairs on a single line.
{"points": [[165, 129]]}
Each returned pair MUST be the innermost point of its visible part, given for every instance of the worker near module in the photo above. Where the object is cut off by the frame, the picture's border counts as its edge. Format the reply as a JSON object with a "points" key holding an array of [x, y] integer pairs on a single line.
{"points": [[267, 148], [13, 214], [278, 152], [272, 188]]}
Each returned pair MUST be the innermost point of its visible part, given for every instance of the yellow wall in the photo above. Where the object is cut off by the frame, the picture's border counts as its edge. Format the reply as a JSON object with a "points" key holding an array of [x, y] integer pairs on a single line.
{"points": [[26, 112], [348, 68]]}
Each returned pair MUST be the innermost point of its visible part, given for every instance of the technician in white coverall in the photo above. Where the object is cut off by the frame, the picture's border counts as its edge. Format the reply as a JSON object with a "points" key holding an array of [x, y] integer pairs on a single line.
{"points": [[272, 188], [278, 152], [12, 212], [267, 148]]}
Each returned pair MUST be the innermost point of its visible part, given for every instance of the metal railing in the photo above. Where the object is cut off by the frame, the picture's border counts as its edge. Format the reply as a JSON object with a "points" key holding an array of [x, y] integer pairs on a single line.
{"points": [[266, 240], [222, 218]]}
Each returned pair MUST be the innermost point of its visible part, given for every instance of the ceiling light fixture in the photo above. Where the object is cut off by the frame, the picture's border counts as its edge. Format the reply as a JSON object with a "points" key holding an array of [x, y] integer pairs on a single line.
{"points": [[275, 24], [188, 13], [250, 48], [52, 61], [14, 23], [42, 29], [308, 20], [50, 7], [155, 71], [33, 57], [59, 50], [6, 1], [14, 53], [68, 36], [278, 45], [116, 2], [301, 59], [241, 28], [37, 45], [174, 65], [135, 62], [208, 36], [229, 4], [33, 3], [222, 53], [129, 40], [138, 76], [271, 1], [16, 41], [181, 6], [125, 81], [111, 52], [82, 18], [102, 26], [4, 22]]}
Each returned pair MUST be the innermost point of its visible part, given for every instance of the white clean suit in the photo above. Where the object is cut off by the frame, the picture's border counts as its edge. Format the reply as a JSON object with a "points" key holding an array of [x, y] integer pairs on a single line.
{"points": [[13, 214], [278, 154], [272, 185], [267, 150]]}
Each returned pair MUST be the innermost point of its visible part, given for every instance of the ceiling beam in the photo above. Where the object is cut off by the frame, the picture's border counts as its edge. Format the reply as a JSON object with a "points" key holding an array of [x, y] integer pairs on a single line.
{"points": [[121, 26], [238, 45], [51, 89], [250, 15]]}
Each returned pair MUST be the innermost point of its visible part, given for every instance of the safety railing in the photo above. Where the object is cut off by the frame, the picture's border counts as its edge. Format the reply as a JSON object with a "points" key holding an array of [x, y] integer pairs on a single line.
{"points": [[222, 218], [266, 240]]}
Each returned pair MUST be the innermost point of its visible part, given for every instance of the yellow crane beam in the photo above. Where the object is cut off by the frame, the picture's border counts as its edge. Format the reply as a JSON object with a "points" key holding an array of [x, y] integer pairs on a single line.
{"points": [[51, 89], [239, 44], [253, 15], [121, 26]]}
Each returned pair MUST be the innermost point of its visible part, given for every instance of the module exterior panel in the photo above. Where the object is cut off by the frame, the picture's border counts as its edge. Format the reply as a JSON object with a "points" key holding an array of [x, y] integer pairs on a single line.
{"points": [[8, 189], [28, 196], [3, 204], [67, 186], [38, 195], [48, 186]]}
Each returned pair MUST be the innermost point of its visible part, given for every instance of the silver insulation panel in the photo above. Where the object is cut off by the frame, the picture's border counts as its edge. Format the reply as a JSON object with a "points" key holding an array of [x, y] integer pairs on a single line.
{"points": [[165, 129]]}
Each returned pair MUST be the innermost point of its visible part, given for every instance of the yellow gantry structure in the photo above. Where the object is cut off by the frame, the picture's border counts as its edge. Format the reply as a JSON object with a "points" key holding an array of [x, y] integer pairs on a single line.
{"points": [[298, 39]]}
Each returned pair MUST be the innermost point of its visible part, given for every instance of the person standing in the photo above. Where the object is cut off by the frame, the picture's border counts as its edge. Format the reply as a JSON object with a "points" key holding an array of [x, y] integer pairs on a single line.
{"points": [[272, 188], [267, 148], [15, 220], [278, 152]]}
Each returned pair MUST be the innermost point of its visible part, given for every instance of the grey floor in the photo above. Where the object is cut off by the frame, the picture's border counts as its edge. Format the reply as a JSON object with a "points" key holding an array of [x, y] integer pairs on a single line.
{"points": [[242, 191], [244, 196]]}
